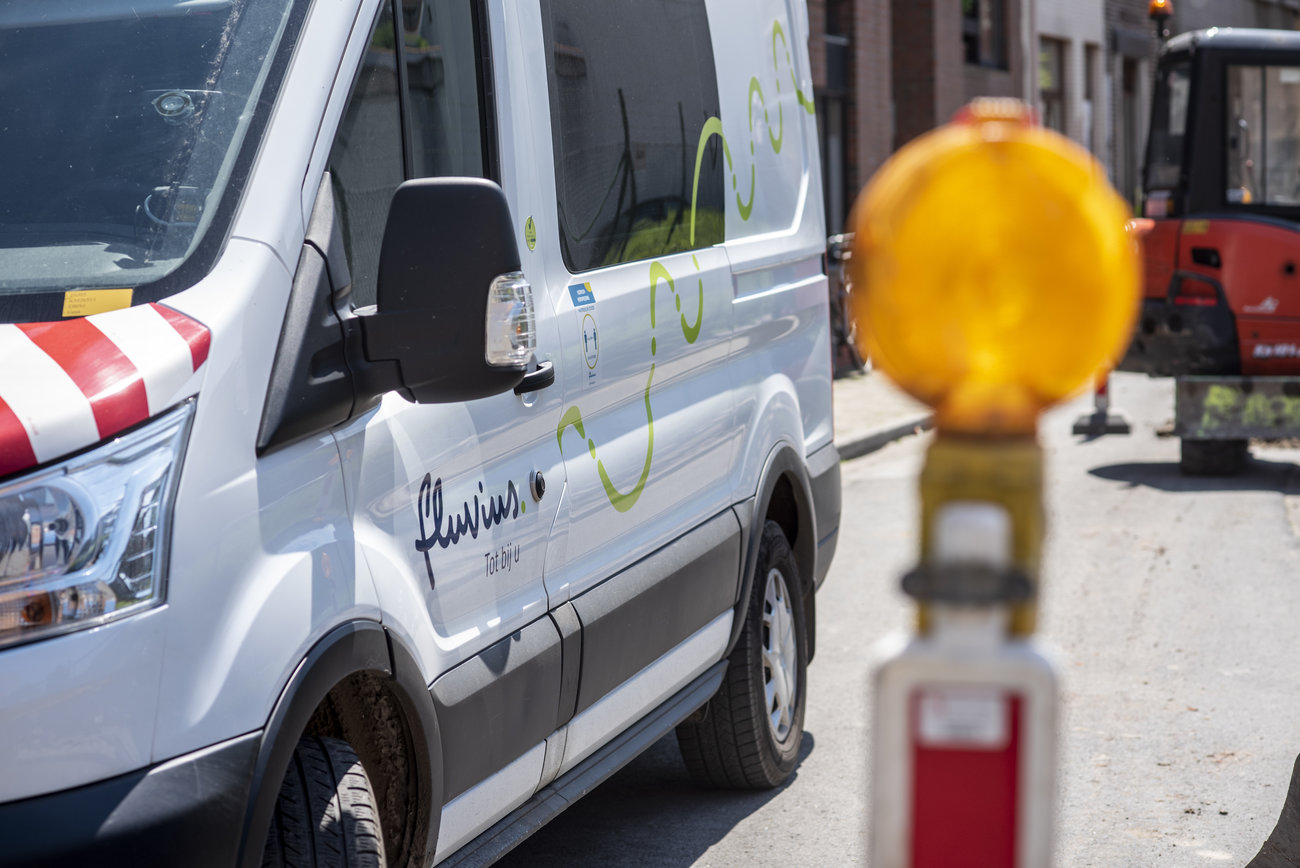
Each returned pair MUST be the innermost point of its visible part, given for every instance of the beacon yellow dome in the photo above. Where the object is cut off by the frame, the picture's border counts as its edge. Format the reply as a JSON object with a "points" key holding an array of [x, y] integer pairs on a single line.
{"points": [[993, 275]]}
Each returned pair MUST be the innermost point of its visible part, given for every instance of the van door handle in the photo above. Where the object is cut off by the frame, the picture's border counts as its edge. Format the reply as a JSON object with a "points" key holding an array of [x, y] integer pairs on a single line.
{"points": [[538, 379]]}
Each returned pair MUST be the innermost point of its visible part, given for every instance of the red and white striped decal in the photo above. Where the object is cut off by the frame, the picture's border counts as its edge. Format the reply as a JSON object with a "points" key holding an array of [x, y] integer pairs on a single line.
{"points": [[67, 385]]}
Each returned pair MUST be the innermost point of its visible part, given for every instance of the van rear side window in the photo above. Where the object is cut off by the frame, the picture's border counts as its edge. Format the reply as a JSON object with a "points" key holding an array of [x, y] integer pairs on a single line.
{"points": [[631, 87]]}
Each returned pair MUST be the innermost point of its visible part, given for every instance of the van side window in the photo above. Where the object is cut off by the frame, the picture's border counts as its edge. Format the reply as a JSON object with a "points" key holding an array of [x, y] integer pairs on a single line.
{"points": [[445, 112], [366, 160], [631, 87]]}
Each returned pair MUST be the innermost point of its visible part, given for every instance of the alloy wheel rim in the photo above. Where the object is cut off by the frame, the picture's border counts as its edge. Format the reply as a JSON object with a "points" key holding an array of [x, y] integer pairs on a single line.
{"points": [[780, 656]]}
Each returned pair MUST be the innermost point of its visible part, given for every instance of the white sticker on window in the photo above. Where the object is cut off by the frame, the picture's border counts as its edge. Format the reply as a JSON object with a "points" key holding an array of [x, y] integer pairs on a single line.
{"points": [[963, 717]]}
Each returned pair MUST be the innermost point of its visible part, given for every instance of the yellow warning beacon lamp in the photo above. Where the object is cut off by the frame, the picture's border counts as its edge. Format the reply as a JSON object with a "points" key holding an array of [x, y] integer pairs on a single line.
{"points": [[992, 272], [993, 277]]}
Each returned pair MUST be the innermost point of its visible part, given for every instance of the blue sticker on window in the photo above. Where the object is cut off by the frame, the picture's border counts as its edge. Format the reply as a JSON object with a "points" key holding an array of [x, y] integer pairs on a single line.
{"points": [[582, 295]]}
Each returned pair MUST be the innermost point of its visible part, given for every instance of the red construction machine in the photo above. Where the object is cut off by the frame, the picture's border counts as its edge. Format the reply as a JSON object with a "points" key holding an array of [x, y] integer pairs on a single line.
{"points": [[1221, 307]]}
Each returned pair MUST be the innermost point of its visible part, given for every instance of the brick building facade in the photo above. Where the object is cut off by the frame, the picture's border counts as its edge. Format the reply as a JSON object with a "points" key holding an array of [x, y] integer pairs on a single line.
{"points": [[851, 53], [1131, 54], [1197, 14], [886, 71]]}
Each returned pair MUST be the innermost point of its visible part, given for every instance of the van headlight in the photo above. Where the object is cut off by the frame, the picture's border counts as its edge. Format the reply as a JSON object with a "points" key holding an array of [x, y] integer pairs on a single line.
{"points": [[85, 542]]}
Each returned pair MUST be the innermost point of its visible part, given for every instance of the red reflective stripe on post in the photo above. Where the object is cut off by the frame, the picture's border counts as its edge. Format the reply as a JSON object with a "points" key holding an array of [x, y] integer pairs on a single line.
{"points": [[965, 790], [16, 451], [1101, 396], [196, 335], [99, 369]]}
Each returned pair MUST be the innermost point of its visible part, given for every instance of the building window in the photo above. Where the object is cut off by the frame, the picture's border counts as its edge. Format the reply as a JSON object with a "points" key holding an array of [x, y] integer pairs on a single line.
{"points": [[1091, 63], [984, 32], [1051, 83]]}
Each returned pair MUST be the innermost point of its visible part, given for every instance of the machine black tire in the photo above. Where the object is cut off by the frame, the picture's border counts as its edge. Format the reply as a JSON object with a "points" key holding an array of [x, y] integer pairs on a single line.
{"points": [[1212, 457], [325, 816], [731, 742]]}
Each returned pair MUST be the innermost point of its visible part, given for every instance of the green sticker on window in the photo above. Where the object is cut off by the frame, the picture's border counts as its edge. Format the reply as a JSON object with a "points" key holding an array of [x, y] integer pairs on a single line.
{"points": [[530, 234]]}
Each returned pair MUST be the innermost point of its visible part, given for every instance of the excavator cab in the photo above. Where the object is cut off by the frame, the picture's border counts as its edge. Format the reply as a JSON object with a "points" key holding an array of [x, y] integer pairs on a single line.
{"points": [[1221, 293]]}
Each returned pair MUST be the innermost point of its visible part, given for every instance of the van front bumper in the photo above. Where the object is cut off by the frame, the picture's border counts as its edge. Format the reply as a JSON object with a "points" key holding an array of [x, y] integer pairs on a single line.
{"points": [[186, 811]]}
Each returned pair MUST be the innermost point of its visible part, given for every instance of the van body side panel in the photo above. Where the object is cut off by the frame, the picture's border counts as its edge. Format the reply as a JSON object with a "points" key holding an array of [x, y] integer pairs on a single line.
{"points": [[262, 557], [622, 707], [643, 612], [478, 808], [776, 241], [782, 331], [496, 706], [446, 521], [648, 428], [824, 479]]}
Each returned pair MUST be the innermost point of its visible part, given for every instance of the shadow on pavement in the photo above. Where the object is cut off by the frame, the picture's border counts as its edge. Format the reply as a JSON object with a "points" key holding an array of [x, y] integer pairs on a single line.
{"points": [[650, 813], [1258, 474], [1282, 849]]}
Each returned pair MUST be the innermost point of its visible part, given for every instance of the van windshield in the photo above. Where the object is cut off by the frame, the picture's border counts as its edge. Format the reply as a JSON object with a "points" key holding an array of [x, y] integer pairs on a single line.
{"points": [[120, 121]]}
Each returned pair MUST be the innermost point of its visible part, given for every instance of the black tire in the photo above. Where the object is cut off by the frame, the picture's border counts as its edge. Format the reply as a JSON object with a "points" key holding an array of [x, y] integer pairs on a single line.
{"points": [[1212, 457], [733, 741], [325, 816]]}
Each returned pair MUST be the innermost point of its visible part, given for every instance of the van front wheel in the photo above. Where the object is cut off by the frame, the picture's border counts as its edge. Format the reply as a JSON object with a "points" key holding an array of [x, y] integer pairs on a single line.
{"points": [[748, 735], [325, 816]]}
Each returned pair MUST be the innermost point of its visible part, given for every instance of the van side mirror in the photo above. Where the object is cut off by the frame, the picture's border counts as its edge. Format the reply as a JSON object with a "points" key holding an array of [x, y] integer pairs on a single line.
{"points": [[454, 312]]}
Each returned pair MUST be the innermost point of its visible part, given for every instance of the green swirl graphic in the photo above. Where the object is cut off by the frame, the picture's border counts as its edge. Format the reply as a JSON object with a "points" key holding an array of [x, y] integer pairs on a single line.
{"points": [[712, 127], [620, 501], [756, 88], [805, 101], [692, 331]]}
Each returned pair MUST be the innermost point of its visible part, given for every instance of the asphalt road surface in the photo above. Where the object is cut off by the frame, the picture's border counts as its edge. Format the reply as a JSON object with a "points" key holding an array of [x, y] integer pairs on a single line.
{"points": [[1172, 602]]}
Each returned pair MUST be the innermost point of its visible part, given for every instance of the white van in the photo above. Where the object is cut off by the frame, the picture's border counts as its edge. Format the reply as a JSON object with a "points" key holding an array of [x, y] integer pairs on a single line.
{"points": [[410, 410]]}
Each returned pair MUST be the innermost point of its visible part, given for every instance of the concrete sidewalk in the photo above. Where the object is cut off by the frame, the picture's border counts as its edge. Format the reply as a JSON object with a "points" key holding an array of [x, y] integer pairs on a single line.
{"points": [[871, 412]]}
